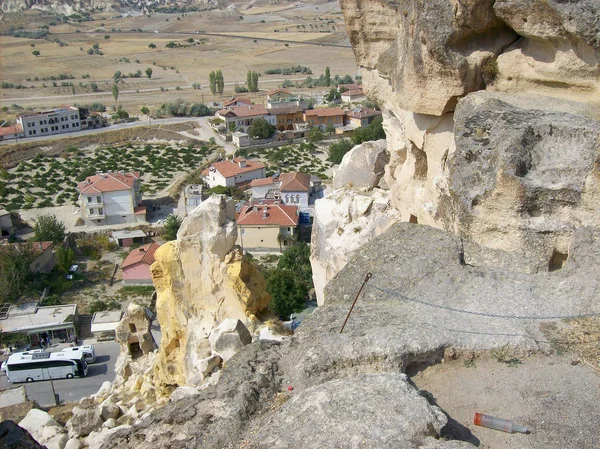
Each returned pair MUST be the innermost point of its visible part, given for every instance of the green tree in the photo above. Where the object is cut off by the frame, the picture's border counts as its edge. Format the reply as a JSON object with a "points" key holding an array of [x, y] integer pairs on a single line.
{"points": [[115, 92], [297, 259], [315, 134], [151, 46], [372, 132], [330, 129], [338, 149], [47, 228], [327, 76], [15, 273], [65, 257], [35, 52], [220, 82], [145, 110], [149, 72], [117, 75], [106, 36], [252, 81], [212, 82], [288, 292], [172, 224], [333, 95], [261, 129]]}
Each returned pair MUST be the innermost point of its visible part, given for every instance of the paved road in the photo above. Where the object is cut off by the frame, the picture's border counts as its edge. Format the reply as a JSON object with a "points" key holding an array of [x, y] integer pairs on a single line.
{"points": [[71, 390]]}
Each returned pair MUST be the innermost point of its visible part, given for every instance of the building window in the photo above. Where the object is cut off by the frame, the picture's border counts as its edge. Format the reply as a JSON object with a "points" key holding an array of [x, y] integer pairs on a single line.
{"points": [[89, 198], [98, 199], [29, 132], [91, 211], [101, 211]]}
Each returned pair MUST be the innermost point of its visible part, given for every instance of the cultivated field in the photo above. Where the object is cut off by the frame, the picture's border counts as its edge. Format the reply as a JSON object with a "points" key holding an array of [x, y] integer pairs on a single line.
{"points": [[235, 41]]}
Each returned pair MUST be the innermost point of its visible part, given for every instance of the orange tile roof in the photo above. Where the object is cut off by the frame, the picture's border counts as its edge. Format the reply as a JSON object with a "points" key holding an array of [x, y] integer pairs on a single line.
{"points": [[144, 254], [324, 112], [108, 182], [12, 129], [279, 215], [294, 182], [354, 93], [245, 111], [281, 110], [236, 100], [279, 89], [350, 86], [231, 167], [262, 182]]}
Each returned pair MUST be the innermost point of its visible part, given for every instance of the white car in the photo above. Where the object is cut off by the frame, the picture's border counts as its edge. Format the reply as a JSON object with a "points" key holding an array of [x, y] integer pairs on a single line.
{"points": [[3, 367], [73, 270]]}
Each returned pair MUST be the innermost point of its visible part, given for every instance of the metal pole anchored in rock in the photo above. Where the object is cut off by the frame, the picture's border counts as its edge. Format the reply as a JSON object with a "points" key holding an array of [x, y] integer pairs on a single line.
{"points": [[369, 276]]}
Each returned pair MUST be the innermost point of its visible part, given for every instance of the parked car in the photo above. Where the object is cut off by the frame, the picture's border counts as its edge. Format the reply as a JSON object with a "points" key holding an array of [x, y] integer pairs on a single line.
{"points": [[72, 271]]}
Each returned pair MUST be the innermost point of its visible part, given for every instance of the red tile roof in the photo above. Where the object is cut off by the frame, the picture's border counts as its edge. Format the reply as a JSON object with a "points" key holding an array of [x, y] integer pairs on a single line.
{"points": [[262, 182], [108, 182], [350, 86], [324, 112], [280, 90], [354, 93], [143, 254], [245, 111], [294, 182], [279, 215], [5, 130], [231, 167], [237, 100]]}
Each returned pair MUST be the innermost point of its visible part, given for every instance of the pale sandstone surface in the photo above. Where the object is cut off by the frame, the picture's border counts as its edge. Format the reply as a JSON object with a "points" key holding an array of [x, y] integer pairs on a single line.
{"points": [[200, 281], [385, 335], [363, 166], [44, 429]]}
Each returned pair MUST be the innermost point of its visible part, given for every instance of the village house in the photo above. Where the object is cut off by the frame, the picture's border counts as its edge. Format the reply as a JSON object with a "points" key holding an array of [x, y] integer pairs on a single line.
{"points": [[136, 266], [237, 101], [127, 238], [11, 132], [242, 117], [44, 261], [6, 226], [346, 87], [233, 172], [64, 119], [352, 95], [111, 198], [279, 98], [288, 117], [266, 226], [361, 116], [322, 117]]}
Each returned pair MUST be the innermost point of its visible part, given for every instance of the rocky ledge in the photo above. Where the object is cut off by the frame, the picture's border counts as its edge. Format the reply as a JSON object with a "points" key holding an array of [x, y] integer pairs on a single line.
{"points": [[432, 296]]}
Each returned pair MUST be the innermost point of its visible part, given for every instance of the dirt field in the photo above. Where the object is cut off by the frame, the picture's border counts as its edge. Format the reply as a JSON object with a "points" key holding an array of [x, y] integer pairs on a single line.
{"points": [[235, 42]]}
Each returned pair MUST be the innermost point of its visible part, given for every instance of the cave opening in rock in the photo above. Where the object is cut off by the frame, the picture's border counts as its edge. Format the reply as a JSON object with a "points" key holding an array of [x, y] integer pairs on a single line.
{"points": [[557, 261], [132, 328], [135, 350], [413, 219]]}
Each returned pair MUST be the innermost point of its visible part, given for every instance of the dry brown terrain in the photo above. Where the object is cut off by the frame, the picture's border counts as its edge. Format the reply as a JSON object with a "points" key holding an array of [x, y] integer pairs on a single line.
{"points": [[235, 42]]}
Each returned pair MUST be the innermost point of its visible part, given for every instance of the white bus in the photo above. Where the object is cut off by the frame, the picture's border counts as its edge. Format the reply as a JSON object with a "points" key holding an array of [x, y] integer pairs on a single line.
{"points": [[44, 366], [85, 352]]}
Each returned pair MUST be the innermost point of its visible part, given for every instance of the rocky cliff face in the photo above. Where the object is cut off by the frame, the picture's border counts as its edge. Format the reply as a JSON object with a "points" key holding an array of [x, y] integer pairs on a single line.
{"points": [[72, 6], [491, 109]]}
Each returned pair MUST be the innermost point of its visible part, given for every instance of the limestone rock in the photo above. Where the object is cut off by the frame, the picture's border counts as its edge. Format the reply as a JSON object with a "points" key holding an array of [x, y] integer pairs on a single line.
{"points": [[183, 392], [109, 411], [73, 443], [14, 437], [133, 331], [201, 279], [85, 420], [521, 178], [345, 220], [229, 337], [110, 423], [44, 429], [363, 166], [354, 409], [97, 439]]}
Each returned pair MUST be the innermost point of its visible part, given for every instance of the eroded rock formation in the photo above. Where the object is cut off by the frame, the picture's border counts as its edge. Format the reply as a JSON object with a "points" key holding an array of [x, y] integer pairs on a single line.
{"points": [[201, 280]]}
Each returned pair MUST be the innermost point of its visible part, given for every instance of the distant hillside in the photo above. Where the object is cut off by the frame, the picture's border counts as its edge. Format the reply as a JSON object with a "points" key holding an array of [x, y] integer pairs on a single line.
{"points": [[73, 6]]}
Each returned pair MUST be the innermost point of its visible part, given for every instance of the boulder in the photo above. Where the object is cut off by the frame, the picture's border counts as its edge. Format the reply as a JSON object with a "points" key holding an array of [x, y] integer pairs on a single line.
{"points": [[109, 411], [363, 166], [96, 439], [110, 423], [345, 220], [85, 419], [229, 337], [73, 443], [14, 437], [44, 429], [183, 392]]}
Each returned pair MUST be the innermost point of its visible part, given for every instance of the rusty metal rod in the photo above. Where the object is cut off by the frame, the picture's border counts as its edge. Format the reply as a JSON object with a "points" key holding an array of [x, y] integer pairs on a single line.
{"points": [[369, 276]]}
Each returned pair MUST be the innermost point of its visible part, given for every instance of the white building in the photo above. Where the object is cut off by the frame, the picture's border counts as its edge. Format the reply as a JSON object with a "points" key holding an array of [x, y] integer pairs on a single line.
{"points": [[111, 198], [233, 172], [293, 189], [65, 119]]}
